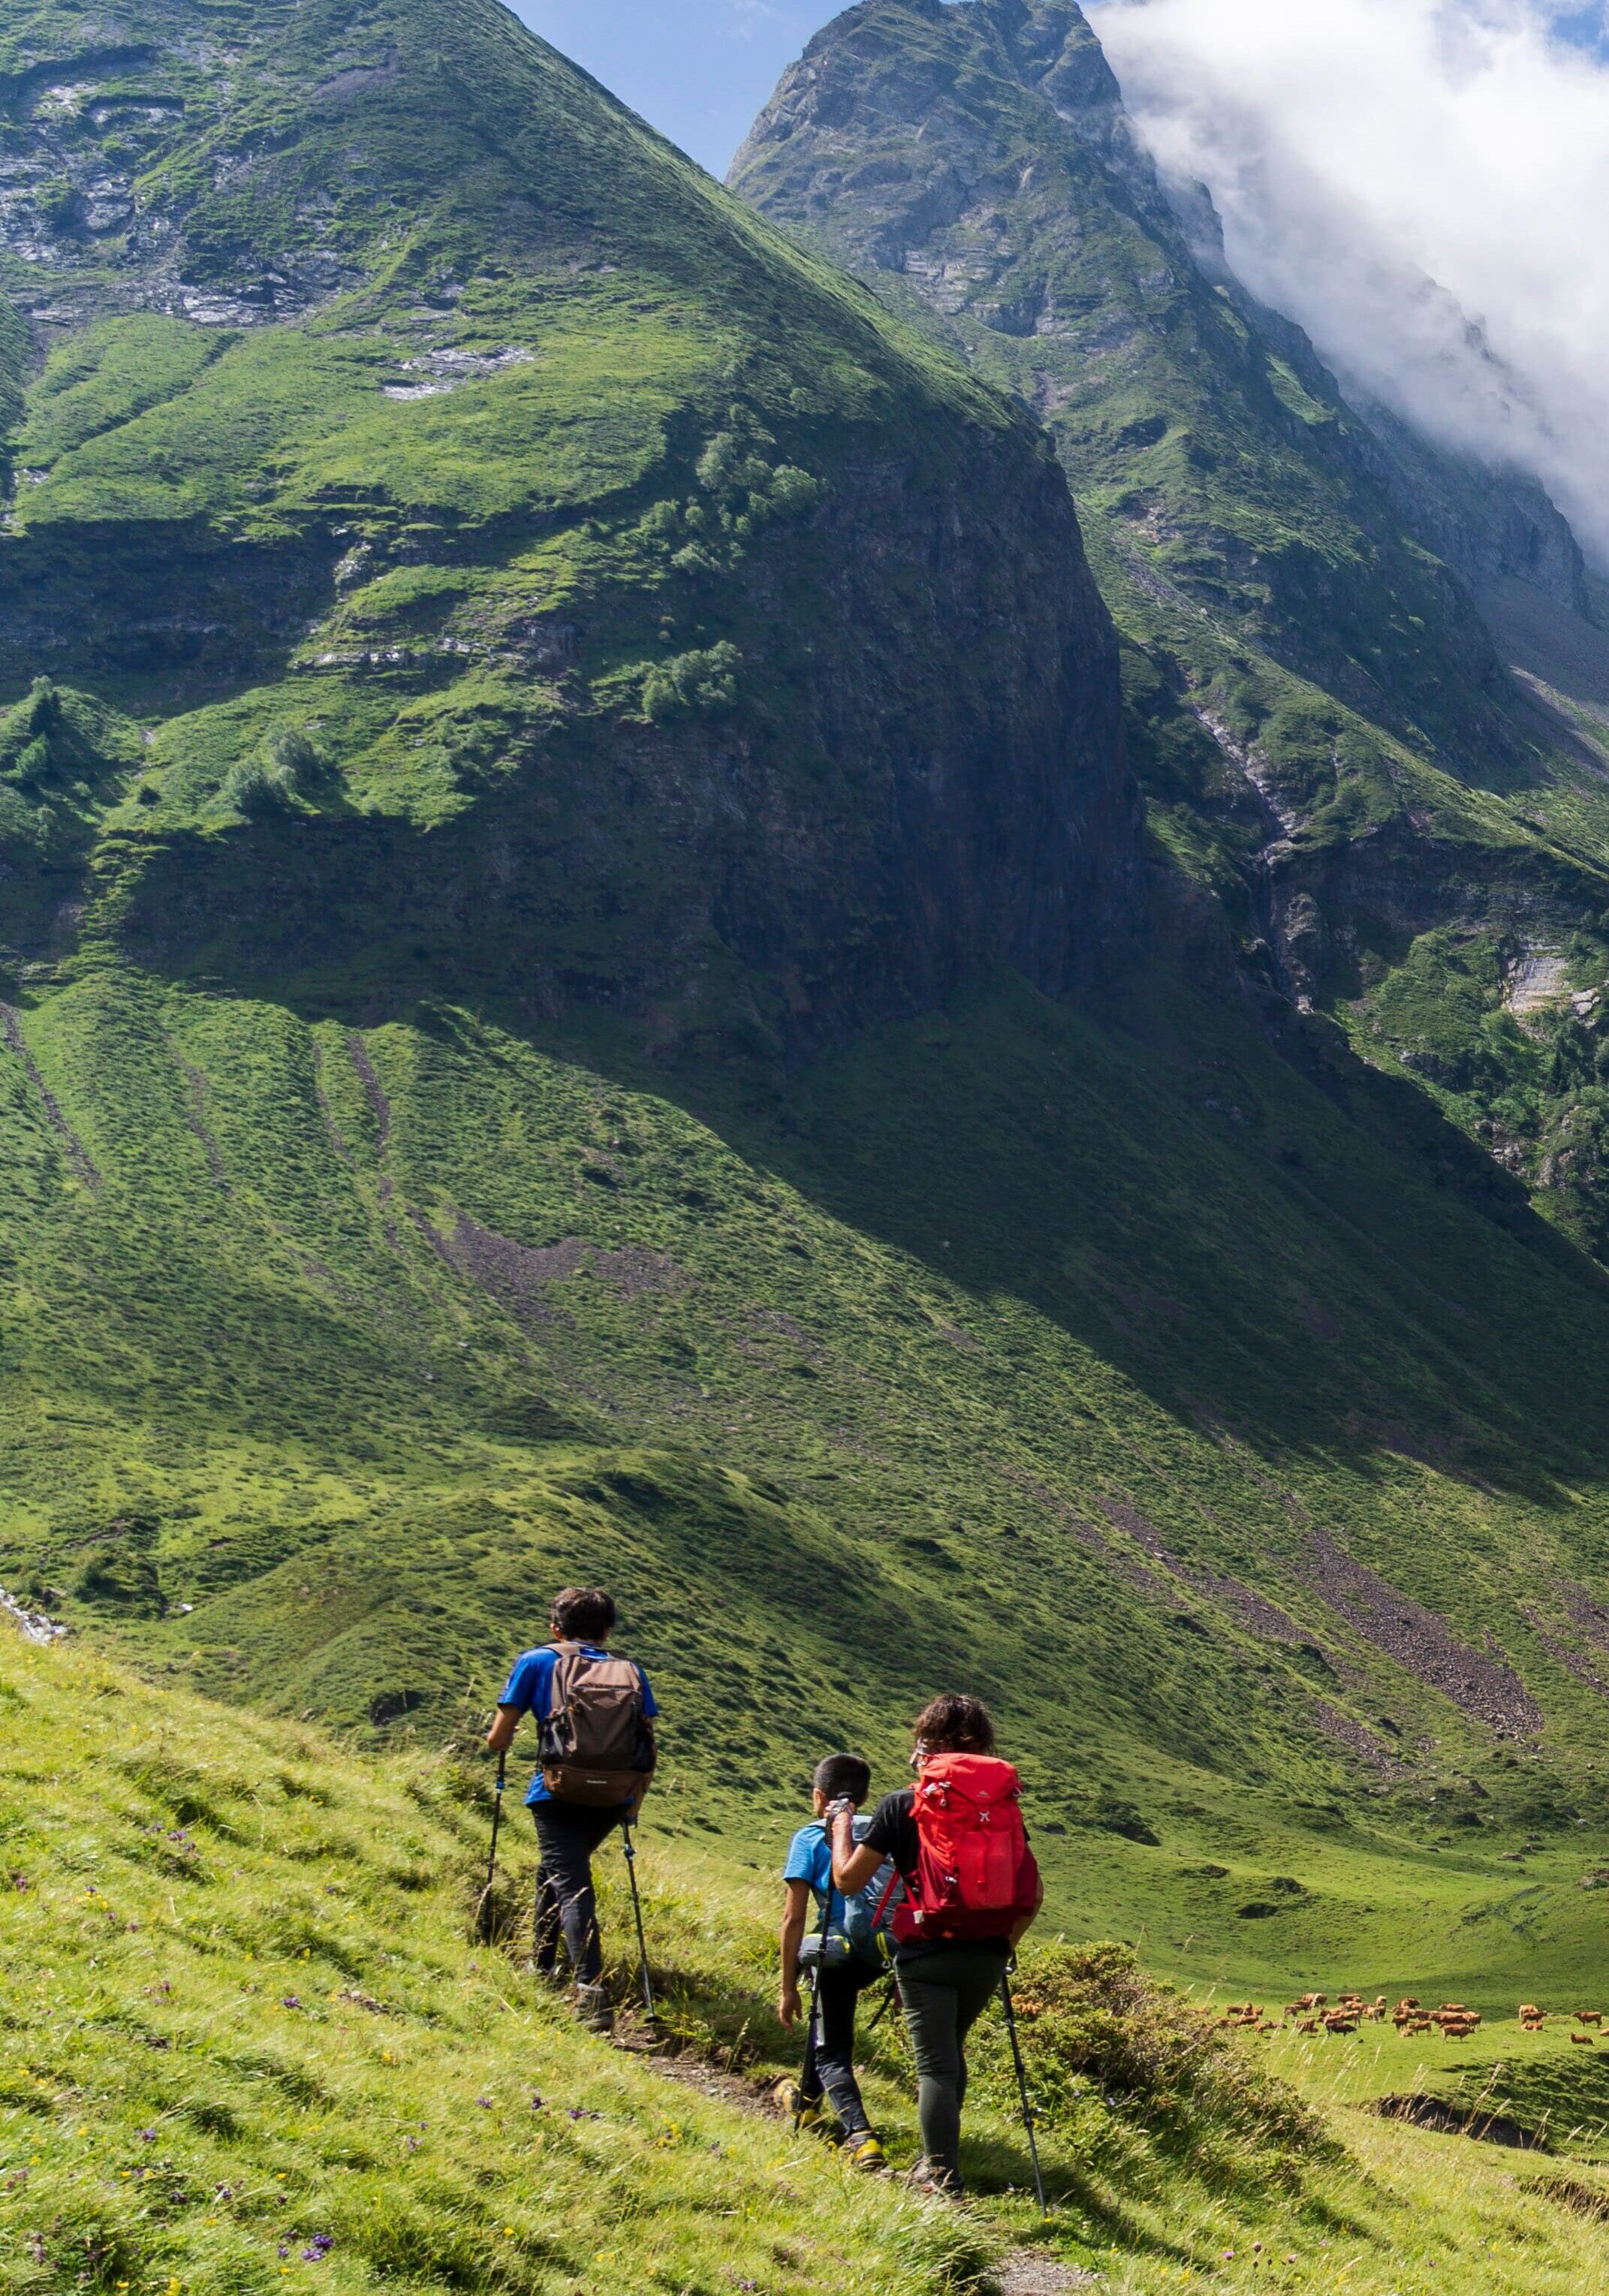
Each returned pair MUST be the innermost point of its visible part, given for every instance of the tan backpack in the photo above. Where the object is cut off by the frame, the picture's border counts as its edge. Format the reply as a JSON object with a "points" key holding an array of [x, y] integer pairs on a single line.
{"points": [[597, 1745]]}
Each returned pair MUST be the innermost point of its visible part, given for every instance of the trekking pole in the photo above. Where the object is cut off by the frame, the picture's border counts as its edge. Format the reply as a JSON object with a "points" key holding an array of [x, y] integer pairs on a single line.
{"points": [[642, 1941], [883, 2006], [483, 1911], [813, 2033], [1016, 2051]]}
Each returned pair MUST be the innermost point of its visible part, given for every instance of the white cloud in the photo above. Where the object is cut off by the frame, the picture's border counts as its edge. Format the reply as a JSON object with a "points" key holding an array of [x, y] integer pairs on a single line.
{"points": [[1424, 186]]}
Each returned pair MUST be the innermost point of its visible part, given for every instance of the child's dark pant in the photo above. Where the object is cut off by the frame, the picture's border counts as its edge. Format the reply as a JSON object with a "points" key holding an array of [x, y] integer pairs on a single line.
{"points": [[829, 2063]]}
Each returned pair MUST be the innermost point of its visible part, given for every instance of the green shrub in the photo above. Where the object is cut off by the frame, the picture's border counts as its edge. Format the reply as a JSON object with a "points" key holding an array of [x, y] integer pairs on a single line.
{"points": [[283, 769], [1093, 2021], [793, 492], [692, 684]]}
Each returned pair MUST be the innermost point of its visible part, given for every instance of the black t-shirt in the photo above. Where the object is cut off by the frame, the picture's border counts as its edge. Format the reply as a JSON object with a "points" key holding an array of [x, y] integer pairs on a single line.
{"points": [[893, 1832]]}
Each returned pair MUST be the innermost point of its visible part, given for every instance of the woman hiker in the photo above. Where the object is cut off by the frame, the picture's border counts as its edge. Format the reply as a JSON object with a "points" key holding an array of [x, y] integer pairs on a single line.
{"points": [[971, 1892]]}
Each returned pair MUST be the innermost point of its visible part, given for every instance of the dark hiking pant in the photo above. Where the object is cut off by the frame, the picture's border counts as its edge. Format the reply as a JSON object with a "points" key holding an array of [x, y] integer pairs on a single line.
{"points": [[829, 2063], [568, 1834], [945, 1994]]}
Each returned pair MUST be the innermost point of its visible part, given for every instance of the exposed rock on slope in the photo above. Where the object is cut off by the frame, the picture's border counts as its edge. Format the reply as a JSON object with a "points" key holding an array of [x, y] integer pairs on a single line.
{"points": [[543, 576], [1331, 738]]}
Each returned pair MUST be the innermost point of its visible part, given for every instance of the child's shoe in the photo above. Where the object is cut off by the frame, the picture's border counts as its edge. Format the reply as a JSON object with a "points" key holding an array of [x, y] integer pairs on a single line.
{"points": [[804, 2112]]}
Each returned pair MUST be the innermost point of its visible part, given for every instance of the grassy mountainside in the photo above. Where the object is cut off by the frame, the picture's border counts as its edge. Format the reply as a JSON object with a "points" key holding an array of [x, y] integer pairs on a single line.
{"points": [[1394, 827], [406, 1201], [483, 515], [247, 2045], [1231, 1430]]}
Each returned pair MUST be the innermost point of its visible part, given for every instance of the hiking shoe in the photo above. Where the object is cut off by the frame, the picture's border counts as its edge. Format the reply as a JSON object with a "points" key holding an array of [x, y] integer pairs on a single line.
{"points": [[937, 2183], [594, 2009], [804, 2112], [865, 2151]]}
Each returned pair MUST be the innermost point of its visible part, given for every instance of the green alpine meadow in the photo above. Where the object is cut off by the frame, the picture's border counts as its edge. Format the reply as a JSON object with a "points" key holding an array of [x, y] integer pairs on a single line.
{"points": [[833, 903]]}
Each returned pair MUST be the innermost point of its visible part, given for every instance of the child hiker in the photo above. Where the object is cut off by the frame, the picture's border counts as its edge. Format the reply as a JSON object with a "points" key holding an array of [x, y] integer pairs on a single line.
{"points": [[834, 1939], [972, 1889]]}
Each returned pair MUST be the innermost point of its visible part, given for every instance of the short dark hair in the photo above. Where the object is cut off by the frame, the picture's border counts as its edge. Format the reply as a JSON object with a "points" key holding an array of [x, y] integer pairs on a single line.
{"points": [[954, 1724], [583, 1614], [843, 1777]]}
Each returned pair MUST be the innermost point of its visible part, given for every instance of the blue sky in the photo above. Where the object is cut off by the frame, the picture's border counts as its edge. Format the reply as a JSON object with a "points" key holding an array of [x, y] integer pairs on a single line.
{"points": [[699, 69]]}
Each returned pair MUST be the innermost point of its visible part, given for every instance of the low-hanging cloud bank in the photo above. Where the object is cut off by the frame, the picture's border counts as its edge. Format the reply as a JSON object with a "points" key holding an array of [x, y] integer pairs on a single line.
{"points": [[1424, 186]]}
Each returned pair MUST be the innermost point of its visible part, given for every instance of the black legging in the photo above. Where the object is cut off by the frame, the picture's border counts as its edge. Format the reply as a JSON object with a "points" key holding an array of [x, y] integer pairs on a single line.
{"points": [[568, 1834], [829, 2061], [945, 1992]]}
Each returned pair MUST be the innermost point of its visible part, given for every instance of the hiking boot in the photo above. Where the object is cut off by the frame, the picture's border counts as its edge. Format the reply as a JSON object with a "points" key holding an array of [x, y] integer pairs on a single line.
{"points": [[594, 2009], [865, 2151], [804, 2112], [935, 2181]]}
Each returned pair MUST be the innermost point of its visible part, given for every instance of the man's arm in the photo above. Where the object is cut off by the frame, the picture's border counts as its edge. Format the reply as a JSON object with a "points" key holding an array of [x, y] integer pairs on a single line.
{"points": [[794, 1913], [500, 1737]]}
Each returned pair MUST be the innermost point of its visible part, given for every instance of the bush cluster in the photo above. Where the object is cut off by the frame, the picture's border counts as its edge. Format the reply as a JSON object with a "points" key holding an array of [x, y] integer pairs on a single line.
{"points": [[1092, 2020]]}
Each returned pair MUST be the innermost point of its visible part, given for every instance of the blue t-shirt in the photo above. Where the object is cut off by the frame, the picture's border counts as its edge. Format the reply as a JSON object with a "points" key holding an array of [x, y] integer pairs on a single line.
{"points": [[810, 1859], [531, 1690]]}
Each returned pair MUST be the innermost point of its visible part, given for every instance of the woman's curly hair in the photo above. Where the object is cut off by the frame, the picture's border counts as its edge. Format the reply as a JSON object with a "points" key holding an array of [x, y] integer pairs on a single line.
{"points": [[954, 1724]]}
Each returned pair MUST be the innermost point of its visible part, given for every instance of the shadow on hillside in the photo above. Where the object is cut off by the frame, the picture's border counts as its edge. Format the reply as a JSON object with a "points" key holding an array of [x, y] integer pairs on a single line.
{"points": [[1300, 1252], [1281, 1245]]}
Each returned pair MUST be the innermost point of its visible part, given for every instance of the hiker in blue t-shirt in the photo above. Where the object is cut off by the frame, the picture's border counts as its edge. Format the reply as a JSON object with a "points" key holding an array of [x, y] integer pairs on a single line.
{"points": [[814, 1935], [569, 1831]]}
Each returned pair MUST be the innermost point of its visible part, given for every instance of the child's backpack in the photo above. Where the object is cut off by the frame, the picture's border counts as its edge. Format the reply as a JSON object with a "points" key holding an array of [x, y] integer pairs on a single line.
{"points": [[868, 1915], [597, 1745], [976, 1877]]}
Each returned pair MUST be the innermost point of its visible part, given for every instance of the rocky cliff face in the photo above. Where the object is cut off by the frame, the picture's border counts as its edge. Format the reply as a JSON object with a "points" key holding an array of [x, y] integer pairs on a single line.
{"points": [[1322, 614], [519, 559]]}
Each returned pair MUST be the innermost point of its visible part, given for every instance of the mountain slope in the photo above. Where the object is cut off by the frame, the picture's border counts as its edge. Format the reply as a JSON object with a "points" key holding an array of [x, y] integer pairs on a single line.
{"points": [[480, 511], [1326, 730], [1113, 1369]]}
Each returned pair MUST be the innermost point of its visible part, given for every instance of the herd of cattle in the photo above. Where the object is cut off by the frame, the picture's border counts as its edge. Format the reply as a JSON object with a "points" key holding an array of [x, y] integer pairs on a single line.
{"points": [[1316, 2014]]}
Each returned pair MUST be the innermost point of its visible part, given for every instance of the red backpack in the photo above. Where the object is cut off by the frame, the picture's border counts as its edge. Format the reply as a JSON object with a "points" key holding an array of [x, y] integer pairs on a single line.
{"points": [[975, 1875]]}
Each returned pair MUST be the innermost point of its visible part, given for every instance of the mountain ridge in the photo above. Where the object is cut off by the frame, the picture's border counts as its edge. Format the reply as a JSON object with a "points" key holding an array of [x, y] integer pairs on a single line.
{"points": [[1332, 743]]}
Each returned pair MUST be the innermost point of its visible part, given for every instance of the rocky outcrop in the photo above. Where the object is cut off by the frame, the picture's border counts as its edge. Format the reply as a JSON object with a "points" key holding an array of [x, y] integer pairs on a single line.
{"points": [[954, 679]]}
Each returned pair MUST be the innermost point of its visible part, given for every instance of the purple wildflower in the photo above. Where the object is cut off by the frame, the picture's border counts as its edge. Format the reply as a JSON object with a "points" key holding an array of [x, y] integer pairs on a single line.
{"points": [[284, 2248], [148, 2136], [318, 2248], [291, 2001], [485, 2101], [538, 2103]]}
